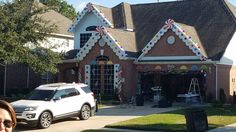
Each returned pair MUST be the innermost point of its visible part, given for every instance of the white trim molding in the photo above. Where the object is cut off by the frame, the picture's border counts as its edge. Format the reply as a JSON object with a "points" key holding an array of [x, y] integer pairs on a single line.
{"points": [[170, 58]]}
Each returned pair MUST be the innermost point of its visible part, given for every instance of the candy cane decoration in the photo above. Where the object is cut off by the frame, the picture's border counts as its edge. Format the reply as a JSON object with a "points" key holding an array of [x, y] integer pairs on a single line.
{"points": [[80, 75], [168, 24], [100, 29], [90, 7]]}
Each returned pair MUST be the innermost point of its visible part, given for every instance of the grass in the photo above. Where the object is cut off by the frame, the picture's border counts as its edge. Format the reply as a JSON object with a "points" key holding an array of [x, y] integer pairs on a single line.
{"points": [[174, 121]]}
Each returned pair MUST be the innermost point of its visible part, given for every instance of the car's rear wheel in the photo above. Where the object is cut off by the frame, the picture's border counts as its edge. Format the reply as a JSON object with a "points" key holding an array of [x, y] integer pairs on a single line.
{"points": [[85, 112], [45, 120]]}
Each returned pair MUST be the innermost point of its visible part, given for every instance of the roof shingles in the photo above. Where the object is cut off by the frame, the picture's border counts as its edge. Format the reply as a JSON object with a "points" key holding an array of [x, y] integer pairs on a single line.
{"points": [[210, 23]]}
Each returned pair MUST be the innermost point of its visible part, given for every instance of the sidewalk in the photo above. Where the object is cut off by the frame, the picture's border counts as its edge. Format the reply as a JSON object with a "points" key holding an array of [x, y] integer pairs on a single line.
{"points": [[228, 128], [122, 130]]}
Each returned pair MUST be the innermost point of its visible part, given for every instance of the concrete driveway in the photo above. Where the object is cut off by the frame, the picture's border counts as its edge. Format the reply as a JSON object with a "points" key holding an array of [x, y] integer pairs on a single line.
{"points": [[105, 116]]}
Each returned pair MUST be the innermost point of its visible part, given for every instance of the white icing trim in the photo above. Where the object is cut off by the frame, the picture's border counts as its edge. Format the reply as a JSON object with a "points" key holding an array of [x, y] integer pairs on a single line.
{"points": [[116, 78], [87, 47], [178, 62], [110, 41], [171, 58], [170, 24], [90, 8], [87, 74]]}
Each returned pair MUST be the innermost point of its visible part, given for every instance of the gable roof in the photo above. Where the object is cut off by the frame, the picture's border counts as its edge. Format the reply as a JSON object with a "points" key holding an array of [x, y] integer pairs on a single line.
{"points": [[102, 33], [58, 19], [187, 40], [209, 23], [90, 8], [213, 24]]}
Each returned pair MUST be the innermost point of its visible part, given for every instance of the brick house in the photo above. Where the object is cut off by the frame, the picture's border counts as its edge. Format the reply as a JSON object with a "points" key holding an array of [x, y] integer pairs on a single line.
{"points": [[133, 48]]}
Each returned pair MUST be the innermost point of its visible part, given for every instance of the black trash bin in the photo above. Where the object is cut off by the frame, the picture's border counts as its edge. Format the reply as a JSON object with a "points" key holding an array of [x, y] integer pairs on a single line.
{"points": [[164, 103], [139, 100], [196, 120]]}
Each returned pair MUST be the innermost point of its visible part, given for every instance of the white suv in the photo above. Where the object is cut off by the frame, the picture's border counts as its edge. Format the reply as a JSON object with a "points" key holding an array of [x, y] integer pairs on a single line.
{"points": [[55, 101]]}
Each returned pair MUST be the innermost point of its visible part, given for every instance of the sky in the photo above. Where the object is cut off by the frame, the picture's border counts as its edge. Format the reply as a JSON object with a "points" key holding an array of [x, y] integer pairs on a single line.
{"points": [[80, 4]]}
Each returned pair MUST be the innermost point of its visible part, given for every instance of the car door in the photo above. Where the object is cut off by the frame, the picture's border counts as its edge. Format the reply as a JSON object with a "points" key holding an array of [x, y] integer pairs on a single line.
{"points": [[75, 99], [60, 103]]}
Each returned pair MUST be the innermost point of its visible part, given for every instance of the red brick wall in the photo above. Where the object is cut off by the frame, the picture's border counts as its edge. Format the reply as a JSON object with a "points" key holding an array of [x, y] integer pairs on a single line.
{"points": [[161, 48], [224, 80], [128, 67], [232, 80]]}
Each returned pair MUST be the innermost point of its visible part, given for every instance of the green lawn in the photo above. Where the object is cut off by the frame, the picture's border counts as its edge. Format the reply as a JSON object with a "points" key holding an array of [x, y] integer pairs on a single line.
{"points": [[175, 120]]}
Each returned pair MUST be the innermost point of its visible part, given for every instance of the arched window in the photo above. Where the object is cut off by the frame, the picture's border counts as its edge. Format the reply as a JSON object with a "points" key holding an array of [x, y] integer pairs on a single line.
{"points": [[91, 28], [102, 58]]}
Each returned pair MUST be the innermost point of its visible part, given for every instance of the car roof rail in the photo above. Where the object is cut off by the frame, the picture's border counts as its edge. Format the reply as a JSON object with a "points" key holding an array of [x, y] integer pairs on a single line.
{"points": [[53, 84]]}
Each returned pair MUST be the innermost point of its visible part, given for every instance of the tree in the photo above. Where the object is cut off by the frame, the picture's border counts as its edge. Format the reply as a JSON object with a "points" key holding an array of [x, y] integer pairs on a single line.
{"points": [[62, 7], [21, 34]]}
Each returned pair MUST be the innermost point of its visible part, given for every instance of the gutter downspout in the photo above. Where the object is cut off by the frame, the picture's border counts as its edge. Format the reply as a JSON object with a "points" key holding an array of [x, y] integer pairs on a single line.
{"points": [[216, 82]]}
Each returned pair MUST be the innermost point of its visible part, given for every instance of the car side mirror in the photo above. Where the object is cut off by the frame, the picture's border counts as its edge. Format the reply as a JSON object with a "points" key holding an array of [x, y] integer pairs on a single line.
{"points": [[57, 98]]}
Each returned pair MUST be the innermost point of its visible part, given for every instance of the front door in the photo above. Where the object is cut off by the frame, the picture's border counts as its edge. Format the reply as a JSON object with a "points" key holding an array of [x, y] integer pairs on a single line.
{"points": [[102, 79]]}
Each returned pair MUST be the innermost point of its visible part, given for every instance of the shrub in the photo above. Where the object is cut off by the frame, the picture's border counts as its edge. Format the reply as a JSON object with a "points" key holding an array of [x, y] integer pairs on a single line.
{"points": [[222, 96], [209, 98]]}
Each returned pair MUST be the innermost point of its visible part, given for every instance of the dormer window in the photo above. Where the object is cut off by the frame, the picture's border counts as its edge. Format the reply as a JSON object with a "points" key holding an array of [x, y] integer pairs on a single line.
{"points": [[84, 37]]}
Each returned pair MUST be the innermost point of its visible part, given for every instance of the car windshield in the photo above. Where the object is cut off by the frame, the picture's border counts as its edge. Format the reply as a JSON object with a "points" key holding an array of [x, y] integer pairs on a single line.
{"points": [[41, 95]]}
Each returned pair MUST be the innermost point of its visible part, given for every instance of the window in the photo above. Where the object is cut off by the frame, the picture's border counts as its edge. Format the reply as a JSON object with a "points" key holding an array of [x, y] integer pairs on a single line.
{"points": [[108, 79], [170, 40], [41, 95], [84, 38], [102, 58], [102, 79], [91, 28], [233, 80], [66, 93], [60, 94], [72, 92], [86, 89], [95, 78]]}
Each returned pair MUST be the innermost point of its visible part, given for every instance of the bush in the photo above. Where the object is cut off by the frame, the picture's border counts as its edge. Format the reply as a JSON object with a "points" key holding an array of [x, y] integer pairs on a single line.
{"points": [[222, 96], [217, 104], [209, 98]]}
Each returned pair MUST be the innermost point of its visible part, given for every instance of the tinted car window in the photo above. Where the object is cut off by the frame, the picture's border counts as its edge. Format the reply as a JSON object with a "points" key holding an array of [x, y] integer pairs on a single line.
{"points": [[72, 92], [41, 95], [60, 93], [86, 89]]}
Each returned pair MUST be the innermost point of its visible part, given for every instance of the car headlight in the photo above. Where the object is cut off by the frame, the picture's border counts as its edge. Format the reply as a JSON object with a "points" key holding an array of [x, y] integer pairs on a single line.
{"points": [[31, 108]]}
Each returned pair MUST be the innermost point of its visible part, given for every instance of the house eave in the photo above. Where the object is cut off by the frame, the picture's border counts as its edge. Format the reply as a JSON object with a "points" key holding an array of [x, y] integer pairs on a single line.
{"points": [[177, 62], [62, 35], [70, 61]]}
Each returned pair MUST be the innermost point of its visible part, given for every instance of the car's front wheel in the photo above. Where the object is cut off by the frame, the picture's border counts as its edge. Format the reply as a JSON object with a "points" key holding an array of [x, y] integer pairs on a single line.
{"points": [[45, 120], [85, 112]]}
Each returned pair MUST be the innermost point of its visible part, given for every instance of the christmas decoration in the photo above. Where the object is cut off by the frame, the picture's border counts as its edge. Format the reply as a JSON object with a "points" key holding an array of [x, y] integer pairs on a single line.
{"points": [[171, 25], [101, 33], [90, 9]]}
